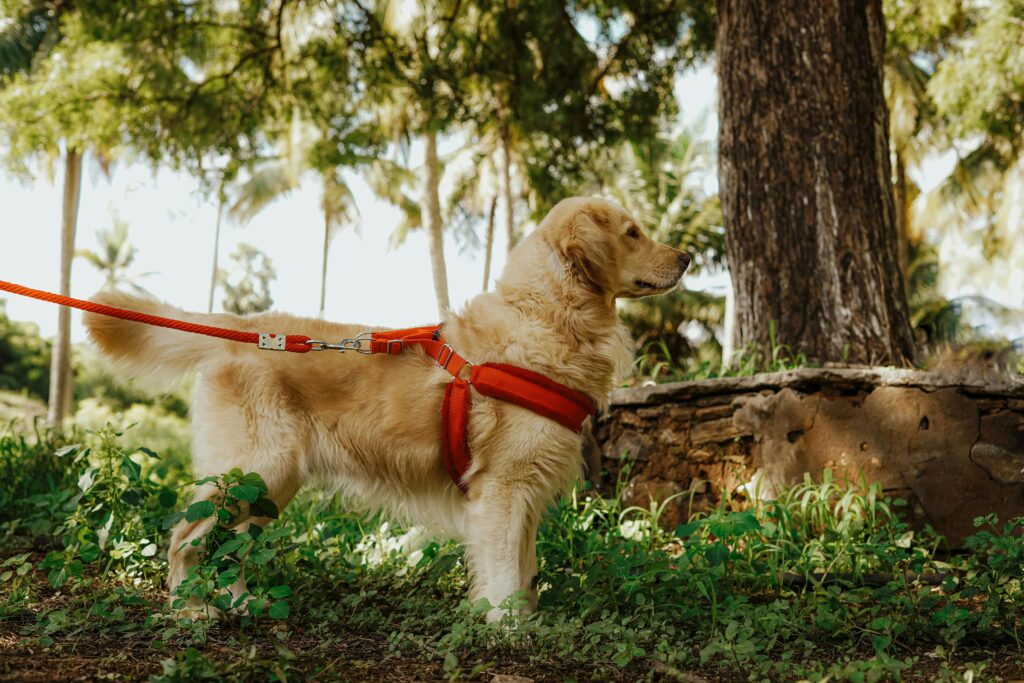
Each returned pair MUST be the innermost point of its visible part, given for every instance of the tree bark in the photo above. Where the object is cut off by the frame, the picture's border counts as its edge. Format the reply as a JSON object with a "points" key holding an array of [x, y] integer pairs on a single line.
{"points": [[506, 184], [216, 249], [432, 216], [805, 180], [490, 243], [60, 362]]}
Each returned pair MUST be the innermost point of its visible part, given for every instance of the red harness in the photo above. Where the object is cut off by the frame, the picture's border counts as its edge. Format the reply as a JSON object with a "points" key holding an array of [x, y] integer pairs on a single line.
{"points": [[518, 386]]}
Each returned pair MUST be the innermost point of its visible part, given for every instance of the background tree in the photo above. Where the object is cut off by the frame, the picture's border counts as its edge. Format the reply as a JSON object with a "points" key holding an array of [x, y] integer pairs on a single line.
{"points": [[805, 179], [247, 281], [115, 258], [412, 65], [279, 175], [55, 66]]}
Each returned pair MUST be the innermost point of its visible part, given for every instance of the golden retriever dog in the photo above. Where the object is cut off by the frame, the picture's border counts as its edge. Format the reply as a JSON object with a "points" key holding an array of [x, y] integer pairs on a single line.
{"points": [[370, 425]]}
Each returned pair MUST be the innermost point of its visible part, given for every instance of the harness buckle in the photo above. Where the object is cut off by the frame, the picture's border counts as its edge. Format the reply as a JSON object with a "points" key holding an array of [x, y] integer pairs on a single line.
{"points": [[401, 345], [351, 344], [447, 359]]}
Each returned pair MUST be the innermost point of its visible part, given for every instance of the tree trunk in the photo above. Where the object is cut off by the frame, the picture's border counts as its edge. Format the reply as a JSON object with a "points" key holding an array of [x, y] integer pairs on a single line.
{"points": [[323, 265], [432, 216], [506, 184], [729, 333], [490, 243], [805, 181], [60, 363], [216, 249]]}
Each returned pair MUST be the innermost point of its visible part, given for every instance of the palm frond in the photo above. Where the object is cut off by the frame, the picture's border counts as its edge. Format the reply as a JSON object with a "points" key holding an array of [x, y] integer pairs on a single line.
{"points": [[265, 184]]}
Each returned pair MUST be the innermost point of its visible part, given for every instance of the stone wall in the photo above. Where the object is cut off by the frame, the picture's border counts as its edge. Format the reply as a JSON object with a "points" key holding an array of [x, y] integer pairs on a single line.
{"points": [[953, 450]]}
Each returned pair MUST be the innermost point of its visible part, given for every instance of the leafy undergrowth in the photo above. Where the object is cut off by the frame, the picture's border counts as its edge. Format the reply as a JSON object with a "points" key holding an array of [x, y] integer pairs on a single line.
{"points": [[825, 583]]}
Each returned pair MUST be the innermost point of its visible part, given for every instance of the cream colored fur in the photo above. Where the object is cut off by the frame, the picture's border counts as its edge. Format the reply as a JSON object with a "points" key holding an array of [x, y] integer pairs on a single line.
{"points": [[371, 424]]}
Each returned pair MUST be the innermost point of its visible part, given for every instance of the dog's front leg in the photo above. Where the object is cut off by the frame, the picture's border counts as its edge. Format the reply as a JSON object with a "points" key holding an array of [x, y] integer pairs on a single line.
{"points": [[501, 544]]}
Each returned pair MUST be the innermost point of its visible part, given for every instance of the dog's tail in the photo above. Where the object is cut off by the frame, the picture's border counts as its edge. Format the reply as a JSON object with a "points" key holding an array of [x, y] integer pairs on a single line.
{"points": [[149, 351]]}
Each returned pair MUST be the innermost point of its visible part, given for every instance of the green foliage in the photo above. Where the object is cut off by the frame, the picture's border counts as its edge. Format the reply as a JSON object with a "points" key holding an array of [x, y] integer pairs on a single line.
{"points": [[113, 515], [658, 363], [769, 589], [965, 87], [24, 357]]}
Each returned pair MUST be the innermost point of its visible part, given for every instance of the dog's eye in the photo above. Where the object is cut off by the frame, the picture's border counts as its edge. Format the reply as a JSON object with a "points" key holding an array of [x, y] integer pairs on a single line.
{"points": [[633, 232]]}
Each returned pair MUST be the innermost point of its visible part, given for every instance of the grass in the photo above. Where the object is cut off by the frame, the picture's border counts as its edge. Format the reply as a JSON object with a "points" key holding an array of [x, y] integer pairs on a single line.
{"points": [[824, 583], [656, 362]]}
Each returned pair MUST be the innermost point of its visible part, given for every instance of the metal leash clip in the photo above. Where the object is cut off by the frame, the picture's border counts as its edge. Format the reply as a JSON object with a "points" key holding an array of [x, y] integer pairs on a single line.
{"points": [[355, 343]]}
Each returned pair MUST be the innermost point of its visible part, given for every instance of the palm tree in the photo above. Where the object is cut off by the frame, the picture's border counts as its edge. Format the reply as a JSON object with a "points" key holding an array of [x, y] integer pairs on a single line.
{"points": [[114, 259], [421, 55], [280, 175]]}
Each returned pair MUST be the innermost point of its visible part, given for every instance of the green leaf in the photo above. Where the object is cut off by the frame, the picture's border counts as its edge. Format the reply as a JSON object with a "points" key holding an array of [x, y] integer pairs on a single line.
{"points": [[717, 554], [227, 577], [262, 556], [167, 498], [264, 507], [148, 452], [200, 510], [171, 519], [131, 469], [227, 548], [254, 479], [245, 492], [89, 552], [278, 610], [131, 497], [280, 591], [257, 606], [622, 659], [686, 530]]}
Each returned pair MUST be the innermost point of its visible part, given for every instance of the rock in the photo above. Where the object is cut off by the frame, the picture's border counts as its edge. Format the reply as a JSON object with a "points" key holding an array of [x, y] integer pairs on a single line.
{"points": [[954, 450]]}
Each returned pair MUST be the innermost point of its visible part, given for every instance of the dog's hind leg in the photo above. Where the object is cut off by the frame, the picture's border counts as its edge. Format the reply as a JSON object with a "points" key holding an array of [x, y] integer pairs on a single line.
{"points": [[186, 544], [234, 428]]}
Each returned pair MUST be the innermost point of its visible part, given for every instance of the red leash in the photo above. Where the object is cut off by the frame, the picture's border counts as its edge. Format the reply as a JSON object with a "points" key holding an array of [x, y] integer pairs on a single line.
{"points": [[293, 343], [515, 385]]}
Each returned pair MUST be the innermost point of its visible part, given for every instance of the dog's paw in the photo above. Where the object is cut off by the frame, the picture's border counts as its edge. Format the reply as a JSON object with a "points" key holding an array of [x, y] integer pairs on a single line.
{"points": [[195, 610]]}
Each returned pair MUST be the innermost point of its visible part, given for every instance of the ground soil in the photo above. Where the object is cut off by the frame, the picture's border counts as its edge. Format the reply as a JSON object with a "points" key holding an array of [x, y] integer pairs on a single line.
{"points": [[355, 657], [102, 655]]}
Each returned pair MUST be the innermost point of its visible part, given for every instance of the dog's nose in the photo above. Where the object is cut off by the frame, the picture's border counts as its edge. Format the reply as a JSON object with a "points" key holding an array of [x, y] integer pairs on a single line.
{"points": [[684, 260]]}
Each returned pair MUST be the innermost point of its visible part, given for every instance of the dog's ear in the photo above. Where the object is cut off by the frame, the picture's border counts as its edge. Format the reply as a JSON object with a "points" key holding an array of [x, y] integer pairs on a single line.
{"points": [[587, 251]]}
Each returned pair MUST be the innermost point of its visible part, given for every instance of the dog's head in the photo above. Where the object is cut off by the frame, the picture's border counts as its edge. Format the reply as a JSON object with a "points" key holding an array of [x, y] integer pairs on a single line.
{"points": [[606, 251]]}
